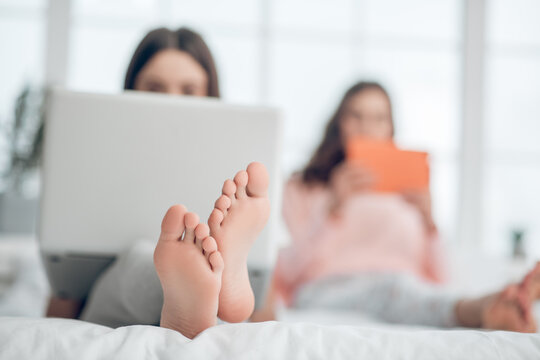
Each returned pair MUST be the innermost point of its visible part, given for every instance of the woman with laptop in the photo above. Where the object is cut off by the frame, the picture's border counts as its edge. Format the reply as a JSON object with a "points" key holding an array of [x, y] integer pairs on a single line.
{"points": [[175, 62]]}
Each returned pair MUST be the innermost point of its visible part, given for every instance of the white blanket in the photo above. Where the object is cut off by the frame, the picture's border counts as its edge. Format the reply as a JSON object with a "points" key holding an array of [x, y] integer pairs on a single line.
{"points": [[33, 338], [24, 338]]}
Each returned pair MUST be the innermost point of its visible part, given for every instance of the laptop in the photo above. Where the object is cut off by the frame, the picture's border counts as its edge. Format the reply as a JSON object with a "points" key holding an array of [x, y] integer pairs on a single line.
{"points": [[114, 164]]}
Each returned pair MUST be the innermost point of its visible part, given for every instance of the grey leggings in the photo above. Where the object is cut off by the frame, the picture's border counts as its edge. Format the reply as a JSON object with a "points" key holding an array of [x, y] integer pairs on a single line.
{"points": [[128, 292], [389, 297]]}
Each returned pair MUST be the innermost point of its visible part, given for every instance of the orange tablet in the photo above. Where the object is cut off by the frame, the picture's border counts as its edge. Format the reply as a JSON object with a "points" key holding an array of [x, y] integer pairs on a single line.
{"points": [[395, 170]]}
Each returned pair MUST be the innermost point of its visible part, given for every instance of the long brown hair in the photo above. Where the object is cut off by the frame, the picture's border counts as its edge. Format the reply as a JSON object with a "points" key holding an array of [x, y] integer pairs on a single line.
{"points": [[331, 150], [182, 39]]}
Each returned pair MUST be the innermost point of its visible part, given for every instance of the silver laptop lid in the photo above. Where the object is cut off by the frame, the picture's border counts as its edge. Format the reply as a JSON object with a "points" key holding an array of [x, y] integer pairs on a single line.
{"points": [[113, 164]]}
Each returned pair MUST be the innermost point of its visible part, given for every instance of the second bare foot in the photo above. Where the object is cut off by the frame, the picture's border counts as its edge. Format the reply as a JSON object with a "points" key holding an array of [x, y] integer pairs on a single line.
{"points": [[239, 216], [509, 310]]}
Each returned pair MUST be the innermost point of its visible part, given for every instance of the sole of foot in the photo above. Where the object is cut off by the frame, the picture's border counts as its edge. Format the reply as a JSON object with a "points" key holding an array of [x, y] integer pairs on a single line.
{"points": [[189, 267], [240, 214]]}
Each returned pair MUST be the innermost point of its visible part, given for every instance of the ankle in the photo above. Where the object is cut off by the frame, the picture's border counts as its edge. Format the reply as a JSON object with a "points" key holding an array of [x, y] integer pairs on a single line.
{"points": [[469, 312]]}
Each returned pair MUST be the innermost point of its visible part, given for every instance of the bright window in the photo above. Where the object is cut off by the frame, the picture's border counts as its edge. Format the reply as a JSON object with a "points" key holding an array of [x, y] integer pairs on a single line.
{"points": [[512, 125], [301, 56]]}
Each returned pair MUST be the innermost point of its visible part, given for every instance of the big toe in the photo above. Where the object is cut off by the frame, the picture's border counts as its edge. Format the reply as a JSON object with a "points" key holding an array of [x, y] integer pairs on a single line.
{"points": [[172, 225], [258, 180]]}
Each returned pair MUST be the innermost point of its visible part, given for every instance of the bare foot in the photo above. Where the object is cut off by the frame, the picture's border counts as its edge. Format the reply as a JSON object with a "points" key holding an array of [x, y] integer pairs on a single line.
{"points": [[531, 283], [190, 269], [509, 310], [239, 216]]}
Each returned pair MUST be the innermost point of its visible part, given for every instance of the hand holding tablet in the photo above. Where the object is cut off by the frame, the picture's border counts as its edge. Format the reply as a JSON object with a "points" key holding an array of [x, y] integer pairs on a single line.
{"points": [[394, 170]]}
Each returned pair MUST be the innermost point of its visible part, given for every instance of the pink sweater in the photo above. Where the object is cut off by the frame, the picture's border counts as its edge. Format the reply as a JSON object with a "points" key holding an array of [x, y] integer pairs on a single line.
{"points": [[375, 233]]}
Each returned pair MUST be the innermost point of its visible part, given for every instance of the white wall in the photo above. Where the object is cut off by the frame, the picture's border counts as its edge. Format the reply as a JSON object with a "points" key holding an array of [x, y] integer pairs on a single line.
{"points": [[301, 55]]}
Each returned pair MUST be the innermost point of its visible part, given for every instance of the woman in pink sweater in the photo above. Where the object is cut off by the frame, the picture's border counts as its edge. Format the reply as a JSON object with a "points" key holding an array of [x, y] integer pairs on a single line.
{"points": [[353, 249]]}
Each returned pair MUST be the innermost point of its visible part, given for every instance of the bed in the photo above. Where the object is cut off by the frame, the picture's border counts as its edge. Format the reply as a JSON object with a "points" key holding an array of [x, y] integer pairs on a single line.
{"points": [[26, 338], [298, 334]]}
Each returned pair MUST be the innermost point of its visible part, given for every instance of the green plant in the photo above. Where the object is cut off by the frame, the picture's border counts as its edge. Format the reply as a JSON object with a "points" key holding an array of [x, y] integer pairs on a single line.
{"points": [[24, 136]]}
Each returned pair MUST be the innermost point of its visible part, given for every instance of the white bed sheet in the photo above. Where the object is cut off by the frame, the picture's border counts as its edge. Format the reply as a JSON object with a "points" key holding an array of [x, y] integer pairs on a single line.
{"points": [[301, 334], [26, 338], [24, 288]]}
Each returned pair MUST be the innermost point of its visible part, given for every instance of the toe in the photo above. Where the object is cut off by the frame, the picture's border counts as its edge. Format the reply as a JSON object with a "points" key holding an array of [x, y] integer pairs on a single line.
{"points": [[209, 245], [216, 261], [223, 203], [215, 219], [172, 225], [526, 307], [191, 220], [201, 232], [258, 180], [241, 181], [229, 188]]}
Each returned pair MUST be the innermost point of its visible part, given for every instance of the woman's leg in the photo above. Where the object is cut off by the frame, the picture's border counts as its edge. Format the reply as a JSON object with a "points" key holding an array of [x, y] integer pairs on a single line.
{"points": [[404, 299], [128, 292], [63, 308], [387, 297]]}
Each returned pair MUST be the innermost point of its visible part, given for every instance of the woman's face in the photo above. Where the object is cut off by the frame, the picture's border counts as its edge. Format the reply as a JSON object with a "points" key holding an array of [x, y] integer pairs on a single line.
{"points": [[174, 72], [367, 113]]}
